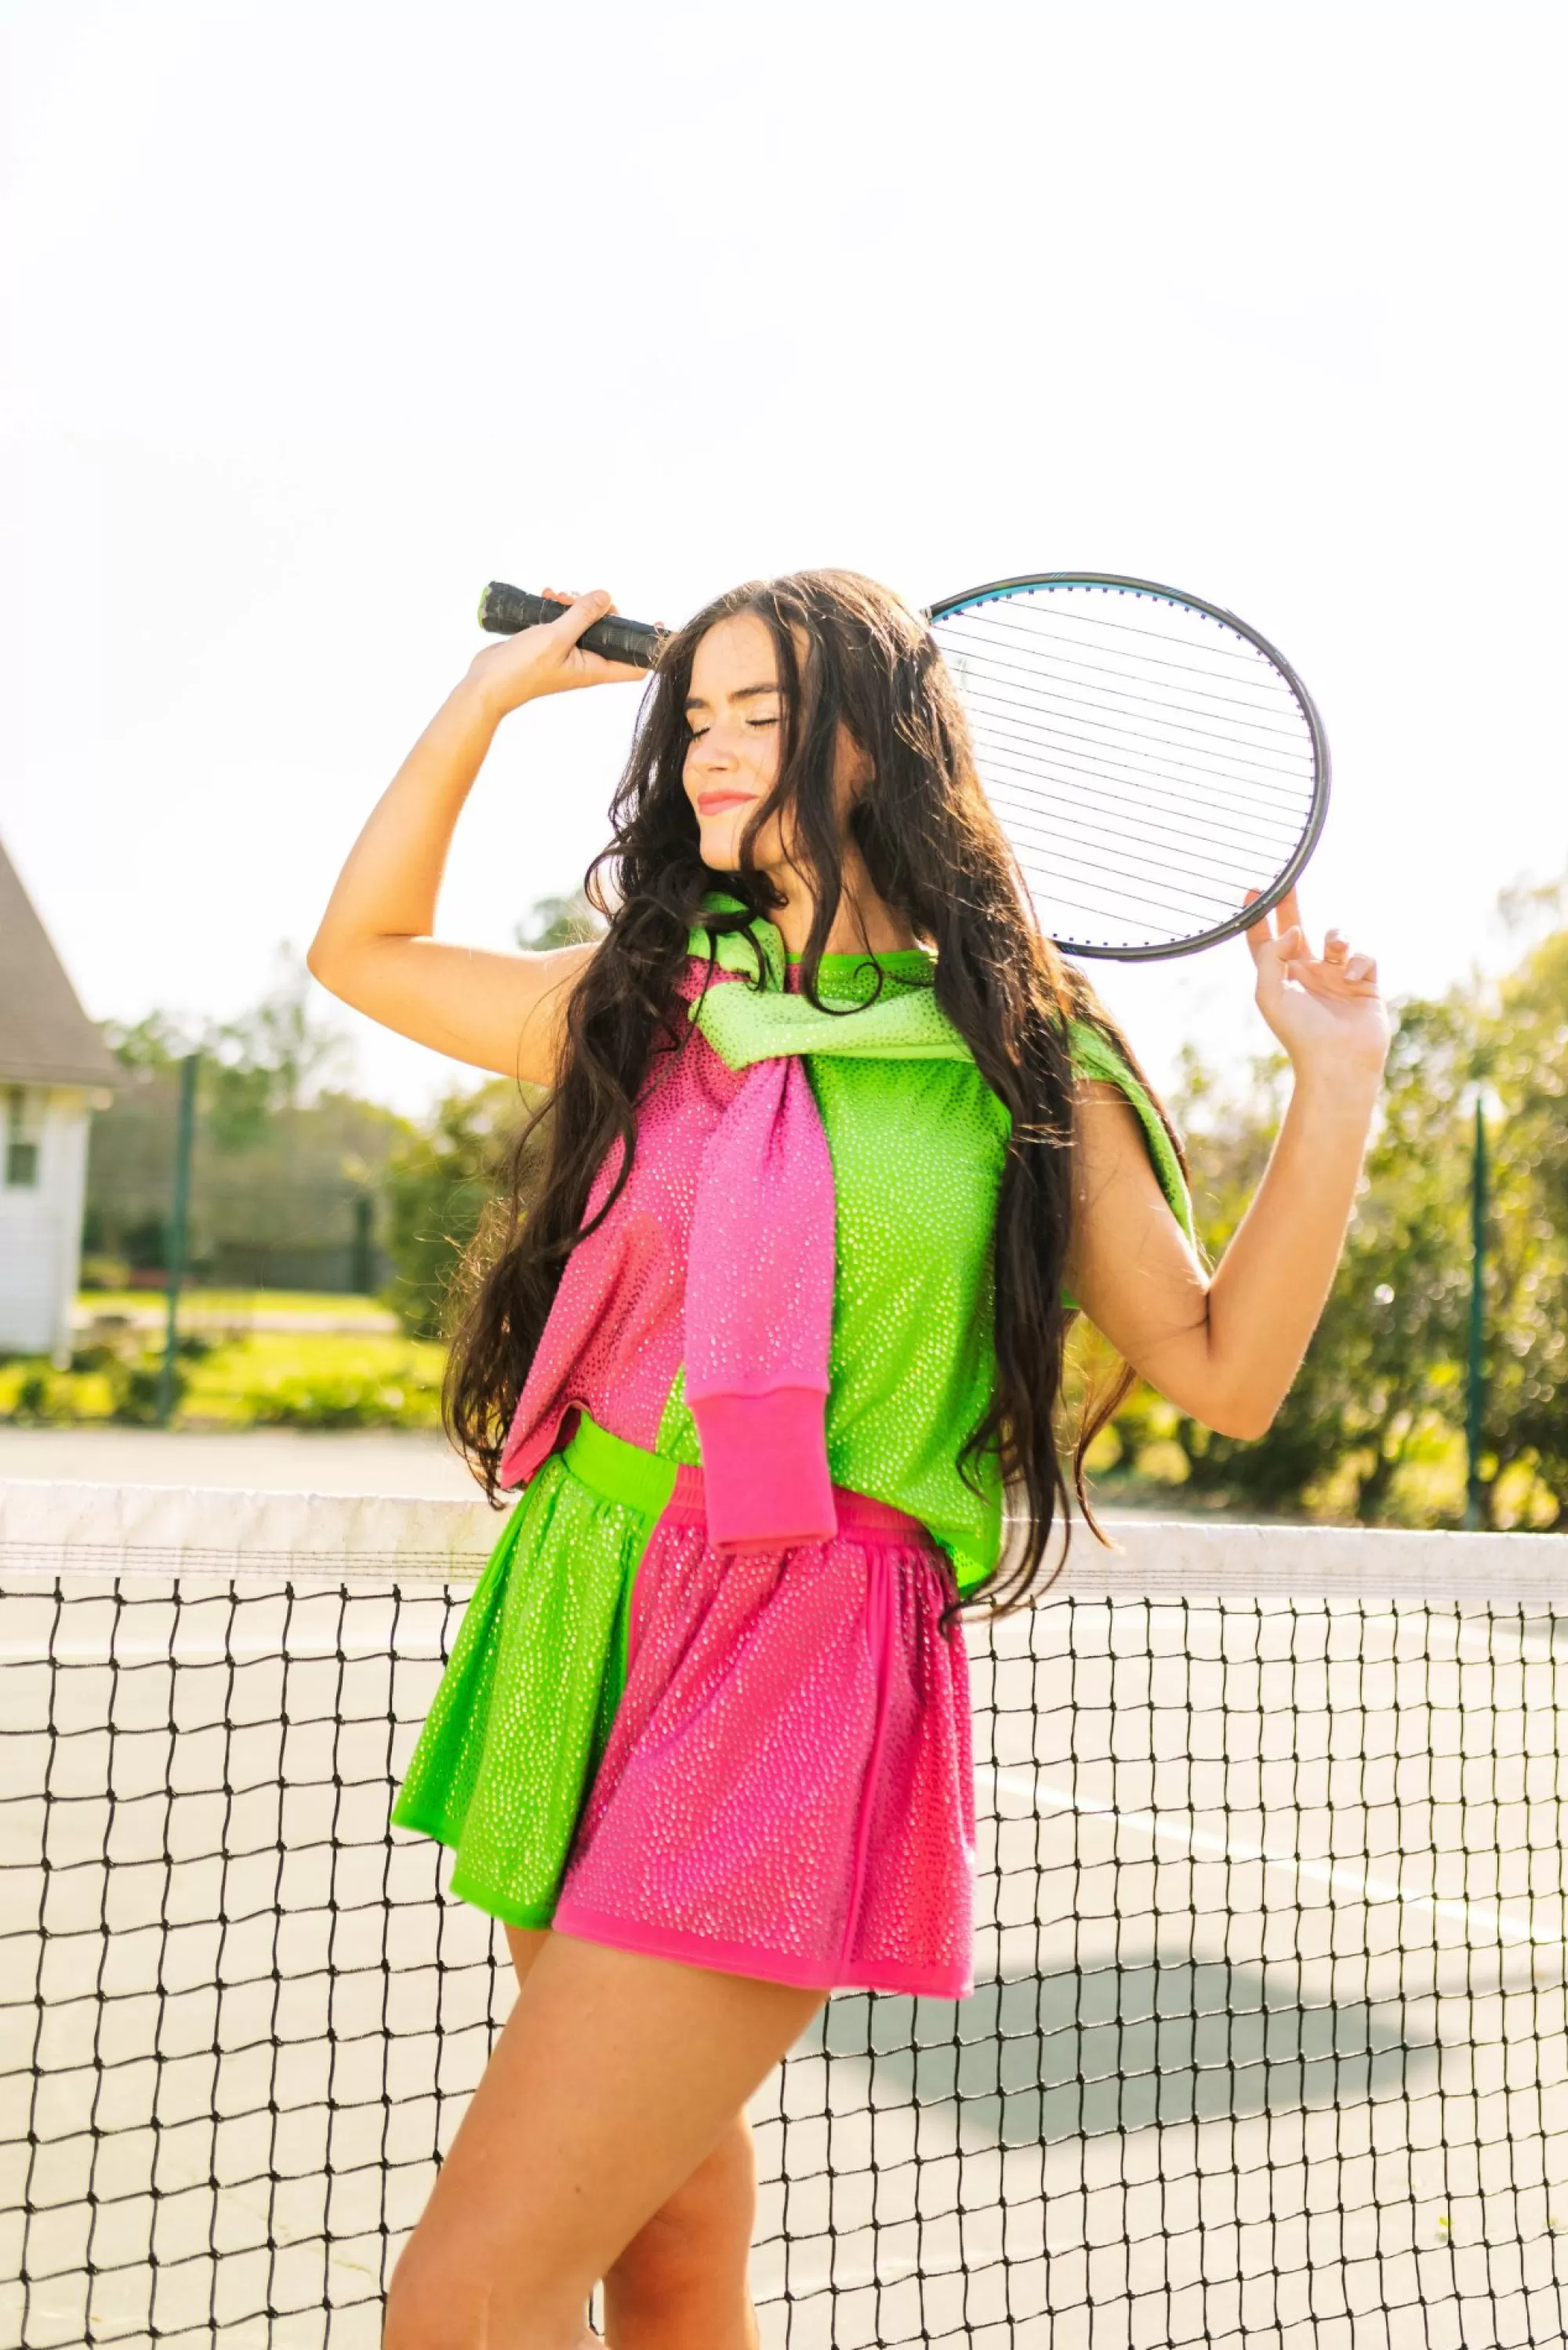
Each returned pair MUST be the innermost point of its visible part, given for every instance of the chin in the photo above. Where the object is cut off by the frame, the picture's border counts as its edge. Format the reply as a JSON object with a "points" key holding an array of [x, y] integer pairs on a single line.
{"points": [[719, 846]]}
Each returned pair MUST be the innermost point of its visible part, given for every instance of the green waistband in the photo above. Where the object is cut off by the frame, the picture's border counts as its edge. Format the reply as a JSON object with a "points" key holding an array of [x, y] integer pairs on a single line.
{"points": [[619, 1471]]}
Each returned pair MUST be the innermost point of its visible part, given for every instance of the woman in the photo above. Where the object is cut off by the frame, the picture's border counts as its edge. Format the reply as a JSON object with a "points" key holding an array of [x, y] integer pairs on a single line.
{"points": [[834, 1140]]}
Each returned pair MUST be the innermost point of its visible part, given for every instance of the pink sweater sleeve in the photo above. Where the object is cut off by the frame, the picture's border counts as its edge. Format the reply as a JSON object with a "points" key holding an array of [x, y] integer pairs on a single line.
{"points": [[759, 1314]]}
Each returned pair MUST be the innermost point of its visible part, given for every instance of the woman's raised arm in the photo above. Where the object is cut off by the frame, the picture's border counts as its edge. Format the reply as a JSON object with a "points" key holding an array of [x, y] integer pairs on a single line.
{"points": [[1225, 1347], [375, 947]]}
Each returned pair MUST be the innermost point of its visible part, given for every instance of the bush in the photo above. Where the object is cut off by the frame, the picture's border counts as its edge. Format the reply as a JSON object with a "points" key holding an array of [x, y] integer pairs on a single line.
{"points": [[345, 1402], [437, 1187], [145, 1245], [100, 1272], [136, 1383], [42, 1400], [298, 1379]]}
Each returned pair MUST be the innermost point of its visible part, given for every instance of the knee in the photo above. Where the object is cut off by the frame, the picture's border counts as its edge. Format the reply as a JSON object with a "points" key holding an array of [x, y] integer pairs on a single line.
{"points": [[418, 2316], [431, 2306], [701, 2237]]}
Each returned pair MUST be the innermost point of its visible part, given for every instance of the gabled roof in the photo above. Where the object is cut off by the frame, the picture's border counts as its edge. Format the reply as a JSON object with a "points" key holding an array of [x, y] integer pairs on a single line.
{"points": [[46, 1037]]}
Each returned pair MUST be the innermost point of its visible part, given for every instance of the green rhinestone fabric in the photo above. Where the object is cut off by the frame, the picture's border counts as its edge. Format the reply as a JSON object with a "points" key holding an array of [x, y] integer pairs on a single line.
{"points": [[525, 1707], [919, 1143]]}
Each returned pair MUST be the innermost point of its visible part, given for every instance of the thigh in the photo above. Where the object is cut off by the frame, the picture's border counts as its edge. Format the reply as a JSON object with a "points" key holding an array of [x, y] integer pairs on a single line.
{"points": [[615, 2077], [686, 2274], [700, 2239], [525, 1942]]}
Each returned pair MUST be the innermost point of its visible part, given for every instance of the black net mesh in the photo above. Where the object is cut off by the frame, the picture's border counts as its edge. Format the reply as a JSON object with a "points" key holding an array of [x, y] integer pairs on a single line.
{"points": [[1269, 2049]]}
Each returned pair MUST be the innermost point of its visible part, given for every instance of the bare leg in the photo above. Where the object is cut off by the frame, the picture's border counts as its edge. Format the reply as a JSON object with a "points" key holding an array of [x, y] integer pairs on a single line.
{"points": [[615, 2078], [684, 2282], [526, 1943], [685, 2277]]}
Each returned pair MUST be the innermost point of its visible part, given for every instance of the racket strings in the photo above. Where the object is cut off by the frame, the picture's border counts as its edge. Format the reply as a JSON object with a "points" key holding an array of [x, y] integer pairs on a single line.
{"points": [[1148, 762], [1020, 818], [1114, 893], [1194, 809], [1124, 873], [1229, 798], [1019, 675], [1030, 627], [1077, 615], [1259, 713]]}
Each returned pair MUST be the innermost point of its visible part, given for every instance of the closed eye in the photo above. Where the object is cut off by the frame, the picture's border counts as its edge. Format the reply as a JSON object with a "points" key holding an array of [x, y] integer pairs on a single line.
{"points": [[695, 733]]}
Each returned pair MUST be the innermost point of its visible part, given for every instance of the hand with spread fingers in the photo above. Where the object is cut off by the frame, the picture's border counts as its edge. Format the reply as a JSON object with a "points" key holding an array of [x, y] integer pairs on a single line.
{"points": [[1325, 1009]]}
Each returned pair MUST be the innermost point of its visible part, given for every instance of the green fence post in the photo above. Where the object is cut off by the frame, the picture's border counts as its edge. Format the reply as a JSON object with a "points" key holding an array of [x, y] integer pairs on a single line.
{"points": [[362, 1265], [1475, 1400], [175, 1267]]}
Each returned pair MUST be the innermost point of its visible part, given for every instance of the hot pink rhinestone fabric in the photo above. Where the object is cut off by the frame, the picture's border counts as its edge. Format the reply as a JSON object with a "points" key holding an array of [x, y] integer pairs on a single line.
{"points": [[614, 1338], [789, 1774]]}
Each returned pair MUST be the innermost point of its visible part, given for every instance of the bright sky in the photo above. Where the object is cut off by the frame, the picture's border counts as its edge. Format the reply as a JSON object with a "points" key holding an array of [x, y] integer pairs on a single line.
{"points": [[316, 317]]}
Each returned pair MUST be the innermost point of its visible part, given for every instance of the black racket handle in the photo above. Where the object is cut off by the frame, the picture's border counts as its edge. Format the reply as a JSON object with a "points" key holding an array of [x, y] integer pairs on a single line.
{"points": [[504, 610]]}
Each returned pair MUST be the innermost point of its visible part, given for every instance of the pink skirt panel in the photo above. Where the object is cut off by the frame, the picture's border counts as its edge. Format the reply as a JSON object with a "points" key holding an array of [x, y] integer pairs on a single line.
{"points": [[787, 1791]]}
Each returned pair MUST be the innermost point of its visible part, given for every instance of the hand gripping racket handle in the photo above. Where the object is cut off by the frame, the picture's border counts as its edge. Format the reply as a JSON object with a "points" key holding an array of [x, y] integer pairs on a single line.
{"points": [[504, 610]]}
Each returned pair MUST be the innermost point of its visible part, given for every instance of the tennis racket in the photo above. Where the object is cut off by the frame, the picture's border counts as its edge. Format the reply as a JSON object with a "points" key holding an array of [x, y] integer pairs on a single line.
{"points": [[1150, 757]]}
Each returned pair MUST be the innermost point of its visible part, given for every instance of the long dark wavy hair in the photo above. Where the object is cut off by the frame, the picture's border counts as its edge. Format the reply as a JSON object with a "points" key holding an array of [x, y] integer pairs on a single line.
{"points": [[848, 653]]}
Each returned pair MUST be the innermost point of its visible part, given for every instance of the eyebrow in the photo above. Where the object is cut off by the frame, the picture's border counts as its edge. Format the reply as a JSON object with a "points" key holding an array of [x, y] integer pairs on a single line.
{"points": [[741, 693]]}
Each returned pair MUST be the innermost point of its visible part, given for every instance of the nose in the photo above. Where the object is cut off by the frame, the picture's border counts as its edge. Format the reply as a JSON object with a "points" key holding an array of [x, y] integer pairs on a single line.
{"points": [[715, 753]]}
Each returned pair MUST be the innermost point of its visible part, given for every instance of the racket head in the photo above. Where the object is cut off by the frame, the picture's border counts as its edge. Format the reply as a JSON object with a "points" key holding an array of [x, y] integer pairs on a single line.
{"points": [[1149, 755]]}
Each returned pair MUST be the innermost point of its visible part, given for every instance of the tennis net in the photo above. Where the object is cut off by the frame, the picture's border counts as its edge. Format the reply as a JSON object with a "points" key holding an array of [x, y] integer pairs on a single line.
{"points": [[1270, 2046]]}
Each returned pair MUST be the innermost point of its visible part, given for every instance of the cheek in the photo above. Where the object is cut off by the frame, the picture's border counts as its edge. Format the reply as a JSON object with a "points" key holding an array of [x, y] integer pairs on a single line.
{"points": [[772, 844], [762, 755]]}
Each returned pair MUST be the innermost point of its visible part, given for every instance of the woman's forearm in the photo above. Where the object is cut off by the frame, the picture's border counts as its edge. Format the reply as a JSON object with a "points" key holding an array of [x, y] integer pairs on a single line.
{"points": [[375, 947], [1267, 1295], [391, 882]]}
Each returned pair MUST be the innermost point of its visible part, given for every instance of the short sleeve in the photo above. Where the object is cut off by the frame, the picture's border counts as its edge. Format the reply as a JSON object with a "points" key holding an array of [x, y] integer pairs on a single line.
{"points": [[1095, 1056]]}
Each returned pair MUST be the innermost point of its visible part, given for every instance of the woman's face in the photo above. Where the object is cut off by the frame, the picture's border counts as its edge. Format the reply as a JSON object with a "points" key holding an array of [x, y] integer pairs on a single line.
{"points": [[736, 713]]}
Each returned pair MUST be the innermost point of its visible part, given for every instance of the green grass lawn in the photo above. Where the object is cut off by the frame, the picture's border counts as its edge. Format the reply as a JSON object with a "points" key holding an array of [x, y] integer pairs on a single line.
{"points": [[238, 1304], [270, 1378], [308, 1379]]}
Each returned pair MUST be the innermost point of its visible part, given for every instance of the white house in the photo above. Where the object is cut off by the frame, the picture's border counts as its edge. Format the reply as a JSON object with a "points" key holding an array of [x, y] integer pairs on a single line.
{"points": [[54, 1069]]}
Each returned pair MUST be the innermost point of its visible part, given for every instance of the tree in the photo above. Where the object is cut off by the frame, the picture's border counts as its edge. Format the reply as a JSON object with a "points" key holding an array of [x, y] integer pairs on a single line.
{"points": [[273, 1057], [437, 1187], [284, 1166], [1377, 1392], [1526, 1063], [1373, 1427], [439, 1184], [560, 922]]}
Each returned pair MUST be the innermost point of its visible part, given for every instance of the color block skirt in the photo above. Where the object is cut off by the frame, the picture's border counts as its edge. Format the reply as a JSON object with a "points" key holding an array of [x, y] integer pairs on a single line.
{"points": [[757, 1761]]}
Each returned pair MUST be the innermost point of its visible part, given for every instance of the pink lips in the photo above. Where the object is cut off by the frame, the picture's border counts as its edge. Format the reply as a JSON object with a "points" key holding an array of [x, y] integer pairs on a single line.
{"points": [[710, 802]]}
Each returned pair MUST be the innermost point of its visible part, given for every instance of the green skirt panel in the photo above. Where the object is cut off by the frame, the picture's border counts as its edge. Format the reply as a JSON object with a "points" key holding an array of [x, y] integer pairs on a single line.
{"points": [[519, 1723]]}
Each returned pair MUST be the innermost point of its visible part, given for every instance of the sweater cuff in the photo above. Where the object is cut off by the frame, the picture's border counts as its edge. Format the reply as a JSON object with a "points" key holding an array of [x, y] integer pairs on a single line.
{"points": [[764, 1468]]}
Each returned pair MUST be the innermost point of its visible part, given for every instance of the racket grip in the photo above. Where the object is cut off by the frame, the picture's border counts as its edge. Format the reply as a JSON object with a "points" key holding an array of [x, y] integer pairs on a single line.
{"points": [[503, 610]]}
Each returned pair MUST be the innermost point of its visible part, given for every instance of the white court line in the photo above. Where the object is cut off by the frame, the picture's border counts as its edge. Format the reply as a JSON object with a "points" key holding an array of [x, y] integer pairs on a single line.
{"points": [[1338, 1876]]}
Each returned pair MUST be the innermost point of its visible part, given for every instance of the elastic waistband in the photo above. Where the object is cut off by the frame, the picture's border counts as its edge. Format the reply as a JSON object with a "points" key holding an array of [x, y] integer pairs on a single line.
{"points": [[618, 1472], [654, 1487]]}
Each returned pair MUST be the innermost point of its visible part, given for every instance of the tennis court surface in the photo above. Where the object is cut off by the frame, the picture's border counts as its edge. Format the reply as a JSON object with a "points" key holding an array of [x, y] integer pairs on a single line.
{"points": [[1270, 2048]]}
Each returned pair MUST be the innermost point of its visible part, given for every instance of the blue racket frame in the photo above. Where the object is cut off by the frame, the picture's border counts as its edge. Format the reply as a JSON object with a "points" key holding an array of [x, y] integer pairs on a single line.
{"points": [[999, 591]]}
